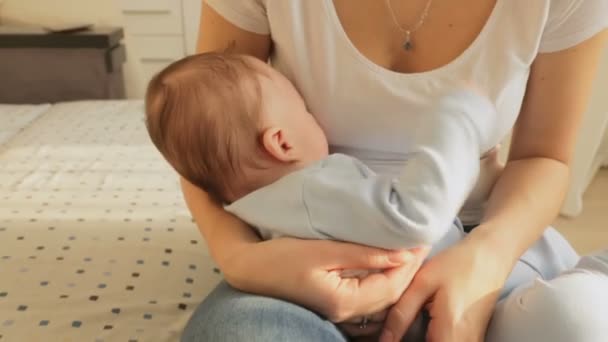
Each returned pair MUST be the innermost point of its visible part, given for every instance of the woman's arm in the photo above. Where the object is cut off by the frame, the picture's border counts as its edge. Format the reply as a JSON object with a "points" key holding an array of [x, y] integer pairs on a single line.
{"points": [[217, 34], [460, 286], [532, 187], [224, 233]]}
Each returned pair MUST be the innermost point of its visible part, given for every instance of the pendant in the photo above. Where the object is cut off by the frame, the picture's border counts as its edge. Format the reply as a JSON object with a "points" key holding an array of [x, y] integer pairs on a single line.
{"points": [[407, 46]]}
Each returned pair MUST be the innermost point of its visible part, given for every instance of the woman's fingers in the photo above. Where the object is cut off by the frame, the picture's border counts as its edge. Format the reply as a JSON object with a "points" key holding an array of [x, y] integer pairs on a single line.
{"points": [[338, 298], [357, 327], [375, 292], [391, 283], [361, 257], [402, 314], [437, 332], [378, 317], [356, 330]]}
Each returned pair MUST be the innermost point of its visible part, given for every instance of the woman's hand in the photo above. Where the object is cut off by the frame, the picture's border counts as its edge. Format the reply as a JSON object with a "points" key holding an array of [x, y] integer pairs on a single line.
{"points": [[371, 325], [308, 273], [459, 288]]}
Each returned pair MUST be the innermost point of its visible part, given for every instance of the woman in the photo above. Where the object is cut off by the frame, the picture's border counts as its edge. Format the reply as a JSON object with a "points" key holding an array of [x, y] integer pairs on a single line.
{"points": [[366, 67]]}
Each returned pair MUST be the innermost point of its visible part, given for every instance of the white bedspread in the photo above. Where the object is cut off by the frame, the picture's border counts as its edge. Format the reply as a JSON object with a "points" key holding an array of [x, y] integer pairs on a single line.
{"points": [[96, 243]]}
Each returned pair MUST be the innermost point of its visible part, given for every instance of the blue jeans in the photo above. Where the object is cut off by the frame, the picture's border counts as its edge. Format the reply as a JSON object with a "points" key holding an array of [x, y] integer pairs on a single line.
{"points": [[569, 307], [229, 315]]}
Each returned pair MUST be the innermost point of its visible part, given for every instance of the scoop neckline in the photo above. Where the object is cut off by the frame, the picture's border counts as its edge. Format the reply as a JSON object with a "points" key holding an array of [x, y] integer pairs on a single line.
{"points": [[335, 19]]}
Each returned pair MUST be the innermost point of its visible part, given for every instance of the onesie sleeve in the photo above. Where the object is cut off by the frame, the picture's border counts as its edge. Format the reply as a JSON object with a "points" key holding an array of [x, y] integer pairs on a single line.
{"points": [[340, 198], [249, 15], [571, 22], [347, 201]]}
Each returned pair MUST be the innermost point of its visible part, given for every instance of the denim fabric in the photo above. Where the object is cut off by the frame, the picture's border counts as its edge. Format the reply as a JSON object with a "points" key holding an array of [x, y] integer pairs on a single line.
{"points": [[229, 315], [572, 306]]}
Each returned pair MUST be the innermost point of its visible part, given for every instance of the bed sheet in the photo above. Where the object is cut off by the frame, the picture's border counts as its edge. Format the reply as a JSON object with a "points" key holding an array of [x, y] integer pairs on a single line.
{"points": [[96, 243], [15, 118]]}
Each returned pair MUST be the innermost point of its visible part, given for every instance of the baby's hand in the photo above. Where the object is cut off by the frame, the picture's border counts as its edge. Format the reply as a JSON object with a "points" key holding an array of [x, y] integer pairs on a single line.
{"points": [[475, 103]]}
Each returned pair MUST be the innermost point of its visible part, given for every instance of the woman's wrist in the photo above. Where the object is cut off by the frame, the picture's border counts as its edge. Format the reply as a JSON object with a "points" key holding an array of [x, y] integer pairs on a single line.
{"points": [[524, 201], [488, 240], [232, 246], [236, 263]]}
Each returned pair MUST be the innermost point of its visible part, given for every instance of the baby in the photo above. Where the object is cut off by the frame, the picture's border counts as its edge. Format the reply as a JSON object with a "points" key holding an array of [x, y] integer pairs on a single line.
{"points": [[238, 129]]}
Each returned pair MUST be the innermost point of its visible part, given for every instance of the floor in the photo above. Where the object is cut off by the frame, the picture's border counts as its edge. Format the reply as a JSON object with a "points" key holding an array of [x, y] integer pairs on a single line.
{"points": [[589, 231]]}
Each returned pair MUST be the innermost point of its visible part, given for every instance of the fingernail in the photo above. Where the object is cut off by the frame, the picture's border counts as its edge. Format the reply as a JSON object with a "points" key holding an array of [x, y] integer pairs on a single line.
{"points": [[400, 257], [387, 336], [420, 250]]}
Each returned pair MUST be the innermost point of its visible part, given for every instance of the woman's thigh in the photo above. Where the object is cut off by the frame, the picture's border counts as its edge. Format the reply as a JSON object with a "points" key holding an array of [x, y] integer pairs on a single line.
{"points": [[230, 315], [551, 255], [570, 307]]}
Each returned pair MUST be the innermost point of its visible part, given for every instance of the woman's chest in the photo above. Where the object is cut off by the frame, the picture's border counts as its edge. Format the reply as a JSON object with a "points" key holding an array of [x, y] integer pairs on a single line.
{"points": [[361, 104], [411, 36]]}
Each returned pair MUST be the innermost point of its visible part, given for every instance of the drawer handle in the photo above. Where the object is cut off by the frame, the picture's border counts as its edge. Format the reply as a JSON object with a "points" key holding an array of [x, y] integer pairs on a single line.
{"points": [[149, 12], [157, 60]]}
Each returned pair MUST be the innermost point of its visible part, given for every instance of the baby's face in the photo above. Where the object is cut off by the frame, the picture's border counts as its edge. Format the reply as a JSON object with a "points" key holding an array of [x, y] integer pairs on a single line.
{"points": [[285, 108]]}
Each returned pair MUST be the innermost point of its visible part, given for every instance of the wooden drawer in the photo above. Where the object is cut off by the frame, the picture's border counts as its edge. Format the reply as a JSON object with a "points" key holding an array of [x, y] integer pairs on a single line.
{"points": [[151, 17], [155, 48]]}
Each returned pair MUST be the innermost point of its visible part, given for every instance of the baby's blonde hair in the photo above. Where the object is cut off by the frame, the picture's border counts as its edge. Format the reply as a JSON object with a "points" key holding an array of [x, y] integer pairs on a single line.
{"points": [[202, 113]]}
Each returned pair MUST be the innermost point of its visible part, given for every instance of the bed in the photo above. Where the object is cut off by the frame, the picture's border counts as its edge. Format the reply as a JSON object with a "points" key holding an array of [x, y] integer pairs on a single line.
{"points": [[96, 243]]}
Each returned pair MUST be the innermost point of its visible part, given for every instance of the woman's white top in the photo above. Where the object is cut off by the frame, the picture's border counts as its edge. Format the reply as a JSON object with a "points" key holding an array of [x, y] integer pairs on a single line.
{"points": [[368, 111]]}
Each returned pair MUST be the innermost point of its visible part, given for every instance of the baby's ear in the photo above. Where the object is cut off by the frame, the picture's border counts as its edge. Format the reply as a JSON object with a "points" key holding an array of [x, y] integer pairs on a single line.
{"points": [[278, 144]]}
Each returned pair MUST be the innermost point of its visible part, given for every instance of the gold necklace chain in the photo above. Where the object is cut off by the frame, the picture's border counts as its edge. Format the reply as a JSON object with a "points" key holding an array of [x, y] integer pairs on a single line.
{"points": [[407, 45]]}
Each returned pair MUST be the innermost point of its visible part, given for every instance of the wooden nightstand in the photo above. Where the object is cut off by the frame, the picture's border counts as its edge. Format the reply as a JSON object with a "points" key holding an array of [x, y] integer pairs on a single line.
{"points": [[40, 67]]}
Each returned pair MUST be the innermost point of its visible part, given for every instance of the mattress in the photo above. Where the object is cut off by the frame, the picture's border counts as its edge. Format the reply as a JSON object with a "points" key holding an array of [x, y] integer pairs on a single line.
{"points": [[96, 243]]}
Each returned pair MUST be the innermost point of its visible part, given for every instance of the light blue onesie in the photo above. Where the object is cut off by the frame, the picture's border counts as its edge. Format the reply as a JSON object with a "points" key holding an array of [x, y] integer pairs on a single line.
{"points": [[340, 198]]}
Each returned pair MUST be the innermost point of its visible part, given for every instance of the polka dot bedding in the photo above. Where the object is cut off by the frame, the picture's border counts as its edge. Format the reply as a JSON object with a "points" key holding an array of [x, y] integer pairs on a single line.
{"points": [[96, 243]]}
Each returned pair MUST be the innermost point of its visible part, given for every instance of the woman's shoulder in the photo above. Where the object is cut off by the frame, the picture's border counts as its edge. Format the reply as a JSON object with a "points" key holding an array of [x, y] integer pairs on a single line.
{"points": [[570, 22], [249, 15]]}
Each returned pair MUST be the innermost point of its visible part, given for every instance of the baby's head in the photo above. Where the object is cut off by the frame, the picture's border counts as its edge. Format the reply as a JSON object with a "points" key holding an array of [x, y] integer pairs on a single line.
{"points": [[230, 124]]}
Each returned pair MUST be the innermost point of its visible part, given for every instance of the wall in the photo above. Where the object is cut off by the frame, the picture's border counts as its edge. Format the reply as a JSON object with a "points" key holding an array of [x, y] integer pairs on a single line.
{"points": [[192, 18], [601, 90]]}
